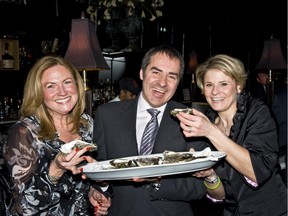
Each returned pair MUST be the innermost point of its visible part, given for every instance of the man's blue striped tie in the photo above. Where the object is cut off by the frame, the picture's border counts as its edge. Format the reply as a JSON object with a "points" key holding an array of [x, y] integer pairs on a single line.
{"points": [[149, 133]]}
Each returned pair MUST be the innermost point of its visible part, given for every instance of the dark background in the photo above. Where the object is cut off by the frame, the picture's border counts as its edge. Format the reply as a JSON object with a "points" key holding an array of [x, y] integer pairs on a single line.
{"points": [[238, 28], [207, 27]]}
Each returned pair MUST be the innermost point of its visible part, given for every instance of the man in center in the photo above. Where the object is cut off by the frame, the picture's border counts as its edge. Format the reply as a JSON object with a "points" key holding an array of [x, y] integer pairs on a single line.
{"points": [[118, 132]]}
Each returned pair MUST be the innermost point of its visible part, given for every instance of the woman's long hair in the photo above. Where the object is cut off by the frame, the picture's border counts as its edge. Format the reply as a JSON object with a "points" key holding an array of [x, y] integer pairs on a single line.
{"points": [[33, 98]]}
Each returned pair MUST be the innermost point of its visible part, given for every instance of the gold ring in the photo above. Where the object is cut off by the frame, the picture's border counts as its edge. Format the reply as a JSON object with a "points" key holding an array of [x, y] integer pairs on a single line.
{"points": [[190, 129]]}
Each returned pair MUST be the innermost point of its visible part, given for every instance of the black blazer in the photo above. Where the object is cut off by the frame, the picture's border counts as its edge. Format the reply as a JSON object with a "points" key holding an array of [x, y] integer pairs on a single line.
{"points": [[254, 129], [115, 135]]}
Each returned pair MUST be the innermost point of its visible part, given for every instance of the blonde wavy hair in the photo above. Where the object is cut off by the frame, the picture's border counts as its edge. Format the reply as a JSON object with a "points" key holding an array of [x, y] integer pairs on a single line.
{"points": [[232, 67], [33, 97]]}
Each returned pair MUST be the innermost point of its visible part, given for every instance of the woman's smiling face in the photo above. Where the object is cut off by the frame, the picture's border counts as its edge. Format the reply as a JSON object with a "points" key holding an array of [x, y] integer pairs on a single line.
{"points": [[220, 90], [60, 90]]}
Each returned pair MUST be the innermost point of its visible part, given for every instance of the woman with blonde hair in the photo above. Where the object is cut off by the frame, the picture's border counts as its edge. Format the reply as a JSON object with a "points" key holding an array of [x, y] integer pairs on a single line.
{"points": [[46, 181], [245, 130]]}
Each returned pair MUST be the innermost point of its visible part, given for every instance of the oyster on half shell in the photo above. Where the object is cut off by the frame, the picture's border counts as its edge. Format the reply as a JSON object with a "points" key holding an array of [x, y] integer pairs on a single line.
{"points": [[176, 111], [122, 163], [68, 147], [148, 161], [167, 157], [176, 157], [137, 162]]}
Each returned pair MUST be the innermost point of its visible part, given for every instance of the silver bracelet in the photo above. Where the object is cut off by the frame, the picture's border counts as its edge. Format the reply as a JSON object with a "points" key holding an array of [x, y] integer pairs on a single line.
{"points": [[213, 181]]}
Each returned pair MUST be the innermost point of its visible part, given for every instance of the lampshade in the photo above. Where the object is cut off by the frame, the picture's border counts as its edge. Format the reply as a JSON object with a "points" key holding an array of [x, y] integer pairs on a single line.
{"points": [[272, 58], [84, 51]]}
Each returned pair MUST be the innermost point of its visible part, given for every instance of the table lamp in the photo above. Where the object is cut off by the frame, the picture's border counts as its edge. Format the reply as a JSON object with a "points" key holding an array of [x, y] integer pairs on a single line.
{"points": [[271, 59], [84, 52]]}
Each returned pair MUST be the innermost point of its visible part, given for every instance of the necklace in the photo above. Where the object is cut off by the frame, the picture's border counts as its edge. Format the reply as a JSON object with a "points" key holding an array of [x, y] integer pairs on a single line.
{"points": [[225, 128]]}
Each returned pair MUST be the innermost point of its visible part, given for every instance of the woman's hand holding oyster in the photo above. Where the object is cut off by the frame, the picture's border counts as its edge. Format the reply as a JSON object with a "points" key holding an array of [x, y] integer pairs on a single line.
{"points": [[68, 147], [69, 158], [175, 111]]}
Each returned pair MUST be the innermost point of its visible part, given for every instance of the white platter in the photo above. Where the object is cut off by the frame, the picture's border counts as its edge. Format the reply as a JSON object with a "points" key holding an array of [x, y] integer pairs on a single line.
{"points": [[99, 170]]}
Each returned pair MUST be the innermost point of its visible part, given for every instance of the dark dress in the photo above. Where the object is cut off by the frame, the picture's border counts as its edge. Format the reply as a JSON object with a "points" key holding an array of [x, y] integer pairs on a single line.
{"points": [[254, 129]]}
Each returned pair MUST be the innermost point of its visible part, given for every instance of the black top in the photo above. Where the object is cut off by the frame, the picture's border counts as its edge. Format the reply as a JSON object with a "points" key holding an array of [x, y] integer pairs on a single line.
{"points": [[254, 129]]}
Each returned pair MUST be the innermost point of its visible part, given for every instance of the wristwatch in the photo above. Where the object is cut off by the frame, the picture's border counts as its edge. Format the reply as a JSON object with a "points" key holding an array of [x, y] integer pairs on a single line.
{"points": [[155, 186]]}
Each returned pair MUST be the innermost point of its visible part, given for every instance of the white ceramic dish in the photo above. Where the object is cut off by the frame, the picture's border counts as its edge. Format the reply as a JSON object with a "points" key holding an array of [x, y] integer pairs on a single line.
{"points": [[103, 171]]}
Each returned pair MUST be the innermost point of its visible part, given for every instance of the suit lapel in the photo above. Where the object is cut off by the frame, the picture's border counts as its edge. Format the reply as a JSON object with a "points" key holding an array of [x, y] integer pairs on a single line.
{"points": [[128, 114], [168, 131]]}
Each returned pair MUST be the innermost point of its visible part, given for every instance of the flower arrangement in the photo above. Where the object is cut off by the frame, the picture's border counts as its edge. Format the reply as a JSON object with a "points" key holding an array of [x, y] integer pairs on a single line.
{"points": [[111, 9]]}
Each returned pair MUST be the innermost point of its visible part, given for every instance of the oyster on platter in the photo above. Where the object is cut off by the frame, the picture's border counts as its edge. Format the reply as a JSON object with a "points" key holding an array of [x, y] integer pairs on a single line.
{"points": [[122, 163], [68, 147], [176, 111], [137, 162], [168, 157], [175, 157]]}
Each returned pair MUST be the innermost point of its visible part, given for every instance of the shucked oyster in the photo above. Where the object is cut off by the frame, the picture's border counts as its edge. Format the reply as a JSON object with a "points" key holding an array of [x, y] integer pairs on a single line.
{"points": [[137, 162], [122, 163], [176, 157], [148, 161], [168, 157], [68, 147], [176, 111]]}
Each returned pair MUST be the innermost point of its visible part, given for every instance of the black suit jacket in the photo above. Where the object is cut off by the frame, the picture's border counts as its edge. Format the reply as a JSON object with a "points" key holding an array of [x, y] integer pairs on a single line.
{"points": [[115, 135]]}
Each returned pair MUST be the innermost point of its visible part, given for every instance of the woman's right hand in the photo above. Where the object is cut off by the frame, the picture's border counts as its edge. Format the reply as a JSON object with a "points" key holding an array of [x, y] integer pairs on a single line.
{"points": [[63, 162], [195, 124]]}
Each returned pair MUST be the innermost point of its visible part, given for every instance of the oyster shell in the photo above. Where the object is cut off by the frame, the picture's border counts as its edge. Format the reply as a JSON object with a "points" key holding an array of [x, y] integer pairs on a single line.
{"points": [[175, 157], [207, 152], [176, 111], [168, 157], [68, 147], [148, 161], [137, 162], [122, 163]]}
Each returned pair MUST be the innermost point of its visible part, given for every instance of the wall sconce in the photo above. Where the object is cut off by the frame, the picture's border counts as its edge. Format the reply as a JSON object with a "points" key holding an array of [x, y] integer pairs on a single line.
{"points": [[271, 59], [84, 52]]}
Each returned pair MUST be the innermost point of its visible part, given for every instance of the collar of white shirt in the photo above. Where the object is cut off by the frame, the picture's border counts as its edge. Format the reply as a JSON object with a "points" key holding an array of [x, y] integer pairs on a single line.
{"points": [[143, 106]]}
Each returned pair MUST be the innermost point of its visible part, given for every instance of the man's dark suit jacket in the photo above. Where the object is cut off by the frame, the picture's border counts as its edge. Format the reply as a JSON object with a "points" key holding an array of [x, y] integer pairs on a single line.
{"points": [[115, 135]]}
